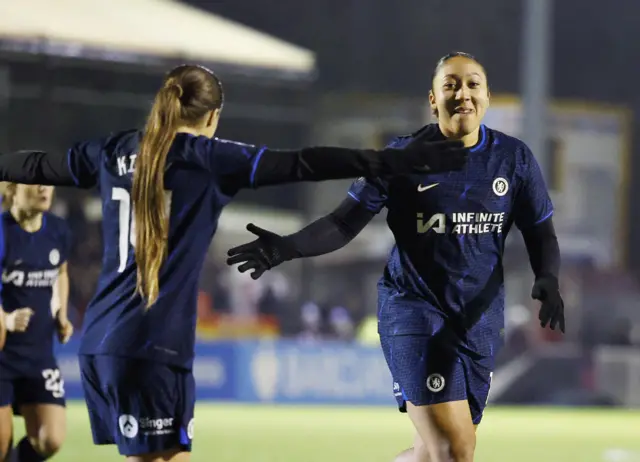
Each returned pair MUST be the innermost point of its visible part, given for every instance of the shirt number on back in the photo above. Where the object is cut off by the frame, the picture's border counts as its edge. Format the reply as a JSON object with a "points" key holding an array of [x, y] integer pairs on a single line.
{"points": [[53, 382], [127, 223]]}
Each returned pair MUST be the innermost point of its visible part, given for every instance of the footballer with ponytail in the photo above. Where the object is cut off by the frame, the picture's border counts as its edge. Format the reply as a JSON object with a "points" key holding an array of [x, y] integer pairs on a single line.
{"points": [[139, 330], [190, 100]]}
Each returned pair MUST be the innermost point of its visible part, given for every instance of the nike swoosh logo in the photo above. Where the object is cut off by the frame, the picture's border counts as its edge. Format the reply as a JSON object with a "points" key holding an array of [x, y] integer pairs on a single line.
{"points": [[424, 188]]}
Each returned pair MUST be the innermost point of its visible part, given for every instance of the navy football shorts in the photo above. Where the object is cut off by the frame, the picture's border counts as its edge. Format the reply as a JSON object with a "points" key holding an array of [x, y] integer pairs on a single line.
{"points": [[427, 371], [42, 386], [141, 406]]}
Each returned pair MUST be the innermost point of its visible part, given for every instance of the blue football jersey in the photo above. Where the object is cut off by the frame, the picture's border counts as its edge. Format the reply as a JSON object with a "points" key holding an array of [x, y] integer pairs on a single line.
{"points": [[30, 268], [201, 177], [450, 232]]}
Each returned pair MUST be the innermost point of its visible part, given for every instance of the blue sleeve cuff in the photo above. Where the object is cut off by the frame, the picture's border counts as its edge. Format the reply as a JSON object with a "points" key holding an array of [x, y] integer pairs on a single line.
{"points": [[75, 178], [353, 196], [545, 218], [254, 167]]}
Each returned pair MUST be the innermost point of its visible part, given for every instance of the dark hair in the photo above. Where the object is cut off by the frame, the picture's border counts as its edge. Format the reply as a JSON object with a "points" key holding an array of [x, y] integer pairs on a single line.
{"points": [[454, 54], [187, 95], [448, 56]]}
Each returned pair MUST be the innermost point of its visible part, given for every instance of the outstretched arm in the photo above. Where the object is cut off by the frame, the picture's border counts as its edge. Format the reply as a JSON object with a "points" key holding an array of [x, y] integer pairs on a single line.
{"points": [[323, 236], [76, 167], [420, 152], [331, 232], [268, 167], [273, 167], [239, 165], [36, 167]]}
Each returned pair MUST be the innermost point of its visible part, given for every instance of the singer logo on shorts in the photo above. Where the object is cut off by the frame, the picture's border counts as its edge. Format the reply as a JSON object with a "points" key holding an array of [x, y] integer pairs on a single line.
{"points": [[130, 426]]}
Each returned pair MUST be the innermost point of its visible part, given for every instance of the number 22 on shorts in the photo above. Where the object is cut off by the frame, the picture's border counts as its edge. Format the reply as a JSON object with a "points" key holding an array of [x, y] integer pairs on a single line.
{"points": [[53, 382]]}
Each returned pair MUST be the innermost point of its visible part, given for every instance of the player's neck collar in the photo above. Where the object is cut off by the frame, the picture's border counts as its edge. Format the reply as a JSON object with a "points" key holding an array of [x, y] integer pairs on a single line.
{"points": [[480, 144], [482, 140]]}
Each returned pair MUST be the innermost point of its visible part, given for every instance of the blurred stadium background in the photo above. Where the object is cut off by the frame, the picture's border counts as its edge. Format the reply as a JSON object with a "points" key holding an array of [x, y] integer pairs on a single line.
{"points": [[288, 367]]}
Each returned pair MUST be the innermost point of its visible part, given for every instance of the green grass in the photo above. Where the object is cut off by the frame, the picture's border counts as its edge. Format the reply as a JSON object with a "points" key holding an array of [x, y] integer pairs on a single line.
{"points": [[241, 433]]}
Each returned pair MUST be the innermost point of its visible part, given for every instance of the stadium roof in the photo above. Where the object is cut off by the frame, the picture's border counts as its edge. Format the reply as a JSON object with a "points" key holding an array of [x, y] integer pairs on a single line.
{"points": [[156, 28]]}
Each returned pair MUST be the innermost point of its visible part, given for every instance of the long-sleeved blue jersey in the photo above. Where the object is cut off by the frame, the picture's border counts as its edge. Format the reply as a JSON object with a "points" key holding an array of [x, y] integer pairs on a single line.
{"points": [[450, 231]]}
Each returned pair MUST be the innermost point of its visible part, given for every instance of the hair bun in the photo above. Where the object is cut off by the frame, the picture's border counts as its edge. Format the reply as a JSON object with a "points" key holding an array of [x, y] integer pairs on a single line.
{"points": [[177, 88]]}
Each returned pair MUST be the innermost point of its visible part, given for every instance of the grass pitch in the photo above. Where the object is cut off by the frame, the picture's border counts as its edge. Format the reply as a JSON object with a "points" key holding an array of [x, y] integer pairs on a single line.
{"points": [[246, 433]]}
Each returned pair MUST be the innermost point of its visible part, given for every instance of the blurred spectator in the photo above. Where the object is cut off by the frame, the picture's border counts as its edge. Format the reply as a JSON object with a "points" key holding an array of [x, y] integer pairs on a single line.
{"points": [[311, 322], [341, 324]]}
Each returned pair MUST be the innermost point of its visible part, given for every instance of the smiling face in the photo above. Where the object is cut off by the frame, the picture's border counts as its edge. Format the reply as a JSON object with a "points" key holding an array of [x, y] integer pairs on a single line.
{"points": [[459, 96]]}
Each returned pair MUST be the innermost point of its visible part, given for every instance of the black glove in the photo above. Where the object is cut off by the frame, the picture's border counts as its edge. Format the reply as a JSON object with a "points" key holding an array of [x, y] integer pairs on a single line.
{"points": [[442, 155], [426, 156], [546, 290], [269, 250]]}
